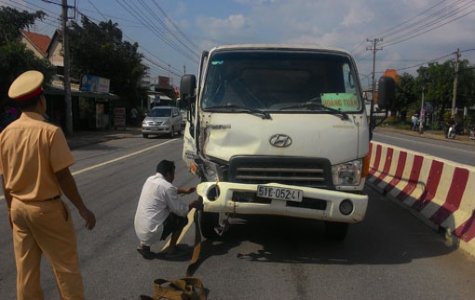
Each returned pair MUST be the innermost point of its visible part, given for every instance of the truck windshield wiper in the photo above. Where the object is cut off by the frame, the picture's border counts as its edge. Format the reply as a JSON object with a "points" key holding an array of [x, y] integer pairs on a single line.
{"points": [[237, 108], [318, 106]]}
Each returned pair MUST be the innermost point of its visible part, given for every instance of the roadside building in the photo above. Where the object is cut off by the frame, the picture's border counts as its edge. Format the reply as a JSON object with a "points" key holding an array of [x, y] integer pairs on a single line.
{"points": [[91, 108]]}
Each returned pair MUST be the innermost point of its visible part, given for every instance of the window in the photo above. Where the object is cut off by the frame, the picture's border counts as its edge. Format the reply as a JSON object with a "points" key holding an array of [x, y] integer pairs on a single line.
{"points": [[280, 81]]}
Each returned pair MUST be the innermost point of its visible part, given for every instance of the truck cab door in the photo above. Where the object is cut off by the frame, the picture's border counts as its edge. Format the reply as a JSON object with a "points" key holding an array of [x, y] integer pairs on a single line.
{"points": [[189, 92]]}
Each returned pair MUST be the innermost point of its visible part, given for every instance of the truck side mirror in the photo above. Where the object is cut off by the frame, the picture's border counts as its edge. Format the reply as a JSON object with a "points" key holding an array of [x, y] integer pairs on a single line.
{"points": [[386, 91], [188, 87]]}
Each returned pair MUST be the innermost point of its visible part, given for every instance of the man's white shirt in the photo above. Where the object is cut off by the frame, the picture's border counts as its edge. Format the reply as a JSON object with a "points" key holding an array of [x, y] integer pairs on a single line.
{"points": [[157, 199]]}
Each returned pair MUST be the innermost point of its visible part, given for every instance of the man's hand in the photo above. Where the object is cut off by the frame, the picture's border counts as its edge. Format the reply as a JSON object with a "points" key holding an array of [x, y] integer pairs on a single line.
{"points": [[198, 204], [186, 190], [89, 217]]}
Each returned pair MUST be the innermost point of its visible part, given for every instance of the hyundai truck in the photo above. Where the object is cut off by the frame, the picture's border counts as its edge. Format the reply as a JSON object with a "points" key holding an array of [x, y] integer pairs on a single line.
{"points": [[278, 130]]}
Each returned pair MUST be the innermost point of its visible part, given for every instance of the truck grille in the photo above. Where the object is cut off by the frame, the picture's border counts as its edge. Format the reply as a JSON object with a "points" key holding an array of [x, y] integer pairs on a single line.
{"points": [[285, 170]]}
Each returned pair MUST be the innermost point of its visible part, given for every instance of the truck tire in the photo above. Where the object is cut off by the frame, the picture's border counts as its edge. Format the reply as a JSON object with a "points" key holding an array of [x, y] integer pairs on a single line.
{"points": [[336, 231], [145, 135], [208, 222]]}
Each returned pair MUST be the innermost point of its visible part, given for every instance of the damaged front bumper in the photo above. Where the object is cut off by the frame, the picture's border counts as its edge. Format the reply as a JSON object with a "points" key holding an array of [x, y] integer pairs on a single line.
{"points": [[318, 204]]}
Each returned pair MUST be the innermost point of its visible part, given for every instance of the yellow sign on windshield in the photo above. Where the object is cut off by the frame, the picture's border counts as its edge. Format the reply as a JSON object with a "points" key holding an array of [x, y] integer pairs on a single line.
{"points": [[341, 101]]}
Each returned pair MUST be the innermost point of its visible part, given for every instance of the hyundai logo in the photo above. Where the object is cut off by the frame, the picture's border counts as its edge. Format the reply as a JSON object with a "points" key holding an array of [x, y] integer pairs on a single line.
{"points": [[280, 140]]}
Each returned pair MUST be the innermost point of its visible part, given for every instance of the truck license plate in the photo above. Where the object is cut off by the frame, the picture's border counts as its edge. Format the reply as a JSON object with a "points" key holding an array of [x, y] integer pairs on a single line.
{"points": [[279, 193]]}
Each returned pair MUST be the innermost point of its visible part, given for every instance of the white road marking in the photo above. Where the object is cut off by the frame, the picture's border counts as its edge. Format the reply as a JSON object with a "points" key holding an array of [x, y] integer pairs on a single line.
{"points": [[114, 160], [190, 214]]}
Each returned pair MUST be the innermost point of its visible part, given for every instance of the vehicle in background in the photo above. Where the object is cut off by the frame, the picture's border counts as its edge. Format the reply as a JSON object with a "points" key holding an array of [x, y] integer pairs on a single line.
{"points": [[162, 120], [184, 116], [279, 130]]}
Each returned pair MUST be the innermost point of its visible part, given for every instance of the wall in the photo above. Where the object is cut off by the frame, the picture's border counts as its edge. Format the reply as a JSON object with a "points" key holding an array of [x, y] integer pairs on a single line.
{"points": [[440, 192]]}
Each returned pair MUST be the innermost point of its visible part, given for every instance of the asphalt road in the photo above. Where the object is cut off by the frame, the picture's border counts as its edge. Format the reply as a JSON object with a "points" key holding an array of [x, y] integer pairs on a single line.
{"points": [[460, 152], [390, 255]]}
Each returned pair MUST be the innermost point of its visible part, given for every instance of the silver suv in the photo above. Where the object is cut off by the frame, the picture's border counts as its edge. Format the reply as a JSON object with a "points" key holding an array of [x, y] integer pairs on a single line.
{"points": [[162, 120]]}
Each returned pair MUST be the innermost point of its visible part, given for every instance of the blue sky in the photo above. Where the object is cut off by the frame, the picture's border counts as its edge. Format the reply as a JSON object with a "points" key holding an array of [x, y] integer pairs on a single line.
{"points": [[413, 31]]}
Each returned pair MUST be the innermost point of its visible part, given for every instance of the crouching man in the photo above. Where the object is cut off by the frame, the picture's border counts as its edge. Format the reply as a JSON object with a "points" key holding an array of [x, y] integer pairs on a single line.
{"points": [[160, 212]]}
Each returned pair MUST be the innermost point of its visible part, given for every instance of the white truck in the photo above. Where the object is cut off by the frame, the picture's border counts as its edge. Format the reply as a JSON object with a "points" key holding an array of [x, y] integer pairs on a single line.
{"points": [[278, 130]]}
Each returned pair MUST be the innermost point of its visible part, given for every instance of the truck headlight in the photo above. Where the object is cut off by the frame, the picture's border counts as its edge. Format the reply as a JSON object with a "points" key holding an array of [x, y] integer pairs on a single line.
{"points": [[348, 173]]}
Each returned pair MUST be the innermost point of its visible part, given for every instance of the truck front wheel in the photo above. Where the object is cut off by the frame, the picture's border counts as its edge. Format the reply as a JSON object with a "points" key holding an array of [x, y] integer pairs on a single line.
{"points": [[336, 231], [209, 221]]}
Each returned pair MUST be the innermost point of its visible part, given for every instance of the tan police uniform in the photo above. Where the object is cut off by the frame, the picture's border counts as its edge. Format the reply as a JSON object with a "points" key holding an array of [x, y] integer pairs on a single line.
{"points": [[31, 152]]}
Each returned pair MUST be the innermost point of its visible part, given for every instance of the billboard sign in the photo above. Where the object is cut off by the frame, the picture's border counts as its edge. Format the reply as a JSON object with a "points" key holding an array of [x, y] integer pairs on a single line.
{"points": [[96, 84]]}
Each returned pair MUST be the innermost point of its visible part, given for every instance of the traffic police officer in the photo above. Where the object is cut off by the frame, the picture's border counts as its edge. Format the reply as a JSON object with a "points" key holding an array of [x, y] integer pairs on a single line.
{"points": [[34, 164]]}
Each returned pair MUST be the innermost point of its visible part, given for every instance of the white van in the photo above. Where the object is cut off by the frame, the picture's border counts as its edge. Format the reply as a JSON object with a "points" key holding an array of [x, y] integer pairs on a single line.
{"points": [[162, 120]]}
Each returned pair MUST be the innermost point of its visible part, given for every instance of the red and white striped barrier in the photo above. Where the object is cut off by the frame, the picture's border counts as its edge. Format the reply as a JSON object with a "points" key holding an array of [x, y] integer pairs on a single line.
{"points": [[441, 191]]}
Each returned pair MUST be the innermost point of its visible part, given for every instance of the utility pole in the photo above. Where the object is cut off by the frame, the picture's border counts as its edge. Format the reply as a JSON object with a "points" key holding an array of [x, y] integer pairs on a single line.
{"points": [[373, 48], [66, 65], [456, 75], [67, 80], [422, 113]]}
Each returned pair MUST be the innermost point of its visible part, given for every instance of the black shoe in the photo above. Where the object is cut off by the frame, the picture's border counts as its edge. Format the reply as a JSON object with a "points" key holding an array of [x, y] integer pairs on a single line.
{"points": [[145, 251]]}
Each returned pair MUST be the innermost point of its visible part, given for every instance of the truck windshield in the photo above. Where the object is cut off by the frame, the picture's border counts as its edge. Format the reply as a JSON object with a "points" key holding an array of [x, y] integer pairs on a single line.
{"points": [[281, 82]]}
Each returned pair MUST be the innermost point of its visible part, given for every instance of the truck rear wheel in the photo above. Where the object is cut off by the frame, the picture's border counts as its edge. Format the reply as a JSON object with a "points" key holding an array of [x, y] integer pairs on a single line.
{"points": [[209, 221], [336, 231]]}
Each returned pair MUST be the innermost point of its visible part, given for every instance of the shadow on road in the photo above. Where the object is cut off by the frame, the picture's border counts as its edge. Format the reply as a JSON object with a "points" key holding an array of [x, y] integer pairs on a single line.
{"points": [[388, 235]]}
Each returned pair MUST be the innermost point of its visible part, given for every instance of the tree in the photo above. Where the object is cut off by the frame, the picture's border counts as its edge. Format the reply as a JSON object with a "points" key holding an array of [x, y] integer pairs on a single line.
{"points": [[98, 49], [405, 94], [15, 58], [466, 85], [437, 81]]}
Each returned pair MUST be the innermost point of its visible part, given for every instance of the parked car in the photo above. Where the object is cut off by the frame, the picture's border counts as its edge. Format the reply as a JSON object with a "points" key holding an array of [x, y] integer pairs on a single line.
{"points": [[162, 120]]}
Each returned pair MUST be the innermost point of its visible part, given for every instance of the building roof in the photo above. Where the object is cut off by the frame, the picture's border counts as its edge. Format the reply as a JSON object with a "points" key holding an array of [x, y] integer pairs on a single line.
{"points": [[39, 41]]}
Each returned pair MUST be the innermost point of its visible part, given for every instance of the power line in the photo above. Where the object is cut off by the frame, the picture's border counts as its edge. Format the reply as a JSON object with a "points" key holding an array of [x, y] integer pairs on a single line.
{"points": [[174, 25], [432, 60], [166, 28], [429, 22], [157, 31], [427, 62], [419, 32], [163, 66], [48, 20], [393, 28]]}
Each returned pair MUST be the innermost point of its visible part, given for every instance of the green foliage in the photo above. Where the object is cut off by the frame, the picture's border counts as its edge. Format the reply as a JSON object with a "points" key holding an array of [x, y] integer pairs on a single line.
{"points": [[466, 85], [12, 21], [15, 58], [98, 49], [436, 81], [405, 93], [393, 121]]}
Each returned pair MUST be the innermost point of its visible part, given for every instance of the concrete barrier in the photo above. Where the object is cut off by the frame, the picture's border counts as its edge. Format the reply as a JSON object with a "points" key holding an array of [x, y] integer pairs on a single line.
{"points": [[441, 192]]}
